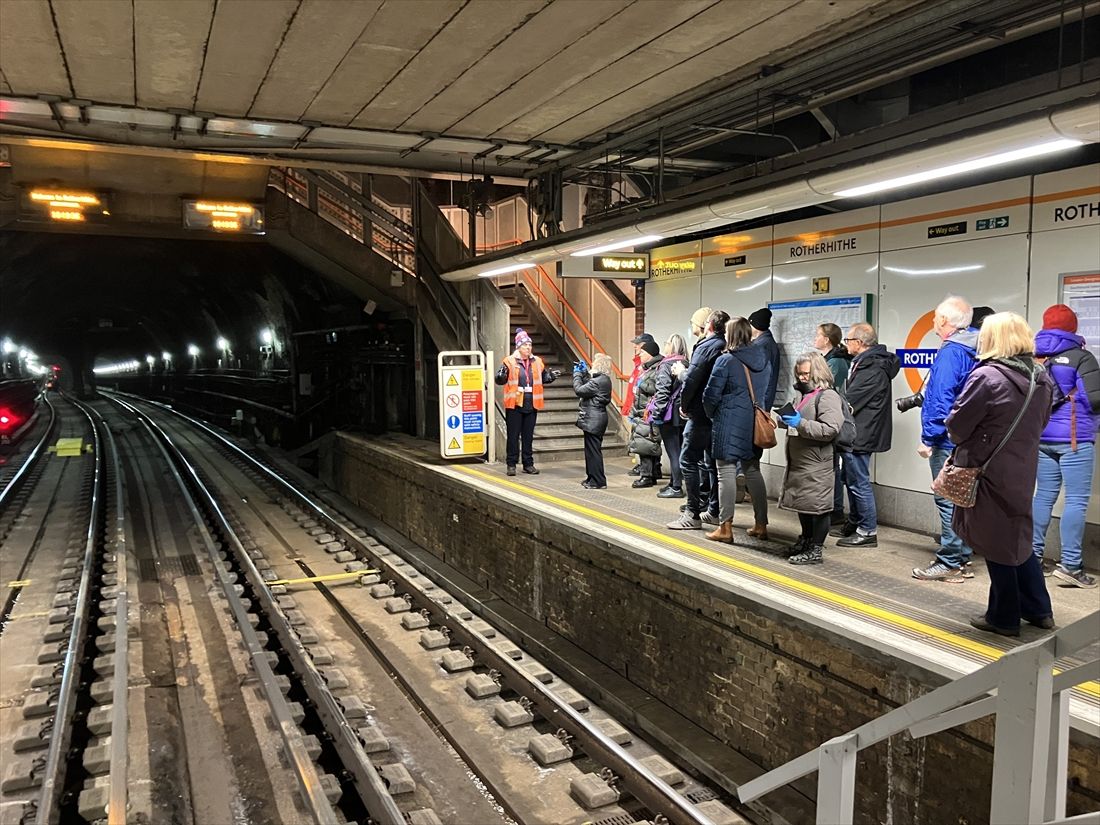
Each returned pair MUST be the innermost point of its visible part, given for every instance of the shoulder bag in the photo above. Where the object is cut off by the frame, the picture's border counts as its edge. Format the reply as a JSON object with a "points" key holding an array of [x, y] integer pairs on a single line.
{"points": [[959, 485], [763, 428]]}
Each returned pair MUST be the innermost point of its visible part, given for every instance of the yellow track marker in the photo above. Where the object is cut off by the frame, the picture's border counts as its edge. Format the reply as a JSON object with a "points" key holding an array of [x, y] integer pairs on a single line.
{"points": [[805, 588], [68, 447], [19, 583], [329, 578]]}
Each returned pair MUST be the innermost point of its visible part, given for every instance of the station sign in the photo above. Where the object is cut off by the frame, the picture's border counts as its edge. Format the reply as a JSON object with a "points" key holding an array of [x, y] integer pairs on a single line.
{"points": [[223, 216], [632, 265], [463, 398]]}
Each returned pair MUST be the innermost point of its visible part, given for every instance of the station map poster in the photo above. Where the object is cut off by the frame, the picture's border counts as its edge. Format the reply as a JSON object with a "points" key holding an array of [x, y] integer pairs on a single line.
{"points": [[1081, 293], [794, 325]]}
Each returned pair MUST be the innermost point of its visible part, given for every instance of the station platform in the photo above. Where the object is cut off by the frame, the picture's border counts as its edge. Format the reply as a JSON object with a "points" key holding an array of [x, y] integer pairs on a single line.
{"points": [[772, 658]]}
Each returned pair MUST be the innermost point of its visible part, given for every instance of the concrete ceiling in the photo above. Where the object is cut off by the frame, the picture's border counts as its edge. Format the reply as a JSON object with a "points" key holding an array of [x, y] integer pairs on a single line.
{"points": [[452, 78]]}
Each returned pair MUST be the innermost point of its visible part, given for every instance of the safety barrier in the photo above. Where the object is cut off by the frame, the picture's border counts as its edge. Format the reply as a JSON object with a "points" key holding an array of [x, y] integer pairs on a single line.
{"points": [[1030, 747]]}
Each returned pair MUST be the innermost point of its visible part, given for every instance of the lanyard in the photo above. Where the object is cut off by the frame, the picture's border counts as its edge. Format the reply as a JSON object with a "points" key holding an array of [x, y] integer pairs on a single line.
{"points": [[806, 399]]}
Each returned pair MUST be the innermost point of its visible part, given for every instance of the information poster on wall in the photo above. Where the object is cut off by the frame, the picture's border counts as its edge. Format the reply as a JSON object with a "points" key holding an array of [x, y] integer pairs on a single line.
{"points": [[463, 426], [794, 326], [1081, 293]]}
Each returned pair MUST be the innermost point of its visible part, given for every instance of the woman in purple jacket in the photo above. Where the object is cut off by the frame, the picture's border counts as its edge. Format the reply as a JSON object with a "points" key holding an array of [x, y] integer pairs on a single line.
{"points": [[1007, 386], [1067, 449]]}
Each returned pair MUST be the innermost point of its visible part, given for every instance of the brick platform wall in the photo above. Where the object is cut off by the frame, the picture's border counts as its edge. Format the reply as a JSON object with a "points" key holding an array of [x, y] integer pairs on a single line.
{"points": [[766, 684]]}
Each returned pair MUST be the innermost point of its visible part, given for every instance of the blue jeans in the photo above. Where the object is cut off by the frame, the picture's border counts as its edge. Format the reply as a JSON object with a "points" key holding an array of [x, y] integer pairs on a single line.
{"points": [[953, 552], [1058, 463], [863, 512], [1016, 593], [696, 443]]}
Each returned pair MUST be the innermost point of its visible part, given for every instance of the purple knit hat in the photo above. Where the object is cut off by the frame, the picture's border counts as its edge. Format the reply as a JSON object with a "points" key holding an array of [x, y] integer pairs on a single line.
{"points": [[522, 337]]}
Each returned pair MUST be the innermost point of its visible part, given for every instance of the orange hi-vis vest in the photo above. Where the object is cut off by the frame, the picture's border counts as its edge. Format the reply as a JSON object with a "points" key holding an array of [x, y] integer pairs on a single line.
{"points": [[513, 392]]}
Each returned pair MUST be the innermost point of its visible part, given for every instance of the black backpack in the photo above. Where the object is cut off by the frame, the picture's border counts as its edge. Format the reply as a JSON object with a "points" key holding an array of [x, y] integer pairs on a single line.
{"points": [[846, 438]]}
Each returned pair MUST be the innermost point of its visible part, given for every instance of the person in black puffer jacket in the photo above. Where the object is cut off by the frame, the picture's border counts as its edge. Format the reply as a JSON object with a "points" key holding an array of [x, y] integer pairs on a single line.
{"points": [[646, 437], [665, 410], [594, 391]]}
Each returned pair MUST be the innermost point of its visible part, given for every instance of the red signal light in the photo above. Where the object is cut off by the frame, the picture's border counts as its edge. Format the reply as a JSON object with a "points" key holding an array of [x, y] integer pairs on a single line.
{"points": [[8, 420]]}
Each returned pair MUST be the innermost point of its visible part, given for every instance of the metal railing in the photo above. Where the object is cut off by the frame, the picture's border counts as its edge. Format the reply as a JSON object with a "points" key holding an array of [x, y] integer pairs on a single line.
{"points": [[1030, 746]]}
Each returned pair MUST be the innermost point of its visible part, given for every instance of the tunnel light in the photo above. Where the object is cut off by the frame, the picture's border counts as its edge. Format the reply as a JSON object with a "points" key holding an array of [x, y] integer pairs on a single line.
{"points": [[267, 336], [166, 356], [223, 344], [22, 353], [971, 165], [150, 360], [611, 247], [192, 350], [8, 346]]}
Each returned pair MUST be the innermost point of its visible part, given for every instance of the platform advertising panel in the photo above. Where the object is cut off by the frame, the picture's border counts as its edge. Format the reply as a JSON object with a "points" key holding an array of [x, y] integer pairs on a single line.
{"points": [[463, 400], [737, 267], [987, 268]]}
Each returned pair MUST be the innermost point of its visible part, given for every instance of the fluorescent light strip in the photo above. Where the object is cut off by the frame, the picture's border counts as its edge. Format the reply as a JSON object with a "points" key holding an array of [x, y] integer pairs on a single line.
{"points": [[504, 270], [960, 168], [611, 247]]}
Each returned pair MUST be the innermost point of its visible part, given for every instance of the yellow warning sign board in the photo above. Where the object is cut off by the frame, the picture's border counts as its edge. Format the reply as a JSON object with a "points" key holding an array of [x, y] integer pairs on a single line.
{"points": [[472, 379], [452, 381]]}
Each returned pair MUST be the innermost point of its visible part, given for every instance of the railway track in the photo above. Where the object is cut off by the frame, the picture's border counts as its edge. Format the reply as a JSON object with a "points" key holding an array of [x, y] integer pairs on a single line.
{"points": [[237, 650]]}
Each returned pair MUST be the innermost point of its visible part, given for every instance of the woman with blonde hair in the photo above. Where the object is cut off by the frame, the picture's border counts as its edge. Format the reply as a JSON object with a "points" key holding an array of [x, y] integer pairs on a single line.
{"points": [[664, 410], [594, 391], [813, 424], [995, 424]]}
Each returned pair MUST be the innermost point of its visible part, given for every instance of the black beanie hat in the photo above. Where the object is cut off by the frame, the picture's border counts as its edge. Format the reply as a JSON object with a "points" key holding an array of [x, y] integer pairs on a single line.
{"points": [[980, 314], [761, 319], [651, 348]]}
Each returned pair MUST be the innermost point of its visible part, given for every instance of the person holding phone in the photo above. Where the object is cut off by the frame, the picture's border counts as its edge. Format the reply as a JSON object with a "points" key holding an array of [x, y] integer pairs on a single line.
{"points": [[594, 391]]}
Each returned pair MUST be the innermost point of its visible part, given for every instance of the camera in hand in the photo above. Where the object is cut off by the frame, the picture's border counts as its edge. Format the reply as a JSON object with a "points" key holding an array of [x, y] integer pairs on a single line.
{"points": [[909, 402]]}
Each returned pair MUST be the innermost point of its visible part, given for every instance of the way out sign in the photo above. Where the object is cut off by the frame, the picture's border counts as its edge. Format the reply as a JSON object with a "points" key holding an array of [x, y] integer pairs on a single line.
{"points": [[463, 402]]}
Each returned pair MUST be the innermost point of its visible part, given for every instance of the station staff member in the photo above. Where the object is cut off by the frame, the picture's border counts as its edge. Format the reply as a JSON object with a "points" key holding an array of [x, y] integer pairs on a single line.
{"points": [[523, 376]]}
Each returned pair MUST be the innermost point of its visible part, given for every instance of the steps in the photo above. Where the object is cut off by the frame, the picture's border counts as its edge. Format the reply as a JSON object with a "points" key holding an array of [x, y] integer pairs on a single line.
{"points": [[557, 437]]}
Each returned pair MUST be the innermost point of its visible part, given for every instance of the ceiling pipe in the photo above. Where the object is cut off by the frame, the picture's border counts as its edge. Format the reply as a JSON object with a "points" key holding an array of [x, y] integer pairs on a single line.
{"points": [[1079, 123]]}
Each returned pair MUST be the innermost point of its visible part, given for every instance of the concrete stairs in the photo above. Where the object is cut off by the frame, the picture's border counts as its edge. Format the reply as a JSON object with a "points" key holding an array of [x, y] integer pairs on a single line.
{"points": [[557, 437]]}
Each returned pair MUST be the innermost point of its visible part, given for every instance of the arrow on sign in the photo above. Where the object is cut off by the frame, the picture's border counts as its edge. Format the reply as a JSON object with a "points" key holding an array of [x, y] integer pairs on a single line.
{"points": [[1001, 222]]}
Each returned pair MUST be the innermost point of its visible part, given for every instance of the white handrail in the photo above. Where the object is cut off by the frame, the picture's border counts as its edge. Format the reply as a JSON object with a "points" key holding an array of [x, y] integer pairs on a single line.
{"points": [[1031, 743]]}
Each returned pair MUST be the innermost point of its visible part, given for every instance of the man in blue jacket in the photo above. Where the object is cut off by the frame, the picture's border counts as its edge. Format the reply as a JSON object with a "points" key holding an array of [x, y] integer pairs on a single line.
{"points": [[697, 431], [946, 378]]}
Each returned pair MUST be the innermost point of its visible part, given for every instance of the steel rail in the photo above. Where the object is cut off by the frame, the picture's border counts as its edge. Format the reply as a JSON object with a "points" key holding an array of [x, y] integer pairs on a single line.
{"points": [[32, 456], [52, 778], [376, 797], [657, 795]]}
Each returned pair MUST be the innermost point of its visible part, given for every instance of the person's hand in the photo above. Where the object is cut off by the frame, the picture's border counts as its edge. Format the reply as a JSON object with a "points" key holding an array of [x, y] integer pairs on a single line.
{"points": [[792, 420], [924, 451], [683, 414]]}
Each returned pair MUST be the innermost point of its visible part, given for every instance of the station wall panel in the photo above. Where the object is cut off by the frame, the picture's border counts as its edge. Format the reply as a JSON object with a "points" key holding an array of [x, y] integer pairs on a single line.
{"points": [[669, 305]]}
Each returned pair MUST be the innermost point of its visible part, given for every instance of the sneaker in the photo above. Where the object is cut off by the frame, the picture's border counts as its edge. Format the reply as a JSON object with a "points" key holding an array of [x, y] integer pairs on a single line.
{"points": [[670, 492], [858, 541], [683, 507], [708, 517], [1074, 578], [511, 469], [1048, 567], [980, 623], [644, 482], [686, 522], [848, 529], [935, 572], [532, 470], [811, 556]]}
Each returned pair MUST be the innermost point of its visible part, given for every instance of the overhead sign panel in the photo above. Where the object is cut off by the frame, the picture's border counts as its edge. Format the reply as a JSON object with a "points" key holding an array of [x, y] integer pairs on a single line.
{"points": [[223, 216], [632, 265]]}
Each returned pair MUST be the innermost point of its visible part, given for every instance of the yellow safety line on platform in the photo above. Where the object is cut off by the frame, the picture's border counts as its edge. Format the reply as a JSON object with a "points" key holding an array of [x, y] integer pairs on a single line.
{"points": [[328, 578], [946, 636]]}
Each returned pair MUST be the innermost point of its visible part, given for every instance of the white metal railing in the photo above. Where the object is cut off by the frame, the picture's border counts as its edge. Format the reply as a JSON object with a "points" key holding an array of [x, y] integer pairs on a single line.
{"points": [[1030, 746]]}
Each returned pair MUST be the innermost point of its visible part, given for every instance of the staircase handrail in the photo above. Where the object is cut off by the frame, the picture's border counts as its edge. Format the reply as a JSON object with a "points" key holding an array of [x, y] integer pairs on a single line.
{"points": [[392, 224], [1031, 743]]}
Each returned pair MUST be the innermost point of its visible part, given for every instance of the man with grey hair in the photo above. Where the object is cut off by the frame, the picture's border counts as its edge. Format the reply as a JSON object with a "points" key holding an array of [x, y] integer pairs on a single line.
{"points": [[868, 392], [948, 374]]}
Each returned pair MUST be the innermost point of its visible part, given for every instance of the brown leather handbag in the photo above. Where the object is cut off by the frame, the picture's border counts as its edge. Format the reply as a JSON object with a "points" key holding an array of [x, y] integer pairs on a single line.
{"points": [[959, 485], [763, 427]]}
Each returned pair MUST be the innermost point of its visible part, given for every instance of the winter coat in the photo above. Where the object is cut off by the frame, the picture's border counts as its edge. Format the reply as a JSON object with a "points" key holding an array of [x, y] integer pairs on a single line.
{"points": [[666, 390], [1070, 366], [839, 359], [869, 393], [727, 402], [704, 355], [999, 524], [766, 341], [594, 391], [645, 387], [954, 361], [808, 480]]}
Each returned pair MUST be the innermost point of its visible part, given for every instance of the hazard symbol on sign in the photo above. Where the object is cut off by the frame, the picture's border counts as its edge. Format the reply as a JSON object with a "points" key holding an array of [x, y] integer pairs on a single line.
{"points": [[454, 445], [452, 400], [452, 381]]}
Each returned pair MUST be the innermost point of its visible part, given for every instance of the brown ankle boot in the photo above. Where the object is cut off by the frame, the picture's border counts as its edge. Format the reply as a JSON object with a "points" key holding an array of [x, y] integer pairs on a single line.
{"points": [[759, 531], [723, 533]]}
